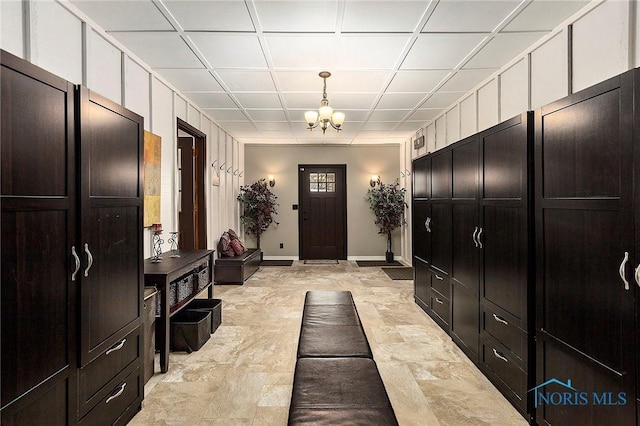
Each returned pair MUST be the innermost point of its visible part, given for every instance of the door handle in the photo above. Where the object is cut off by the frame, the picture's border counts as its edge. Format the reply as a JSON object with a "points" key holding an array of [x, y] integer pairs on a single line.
{"points": [[77, 260], [499, 355], [474, 236], [478, 238], [622, 272], [427, 224], [117, 347], [117, 394], [439, 301], [499, 319], [89, 259], [637, 275], [439, 278]]}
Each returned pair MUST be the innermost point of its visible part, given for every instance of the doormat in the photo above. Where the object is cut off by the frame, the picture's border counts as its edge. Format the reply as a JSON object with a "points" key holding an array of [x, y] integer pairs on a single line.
{"points": [[320, 262], [276, 262], [405, 273], [363, 263]]}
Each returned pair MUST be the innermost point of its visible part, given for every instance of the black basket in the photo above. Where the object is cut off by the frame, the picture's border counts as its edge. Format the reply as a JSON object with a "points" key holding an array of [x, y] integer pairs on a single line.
{"points": [[203, 278], [172, 296], [214, 306], [189, 330], [185, 287]]}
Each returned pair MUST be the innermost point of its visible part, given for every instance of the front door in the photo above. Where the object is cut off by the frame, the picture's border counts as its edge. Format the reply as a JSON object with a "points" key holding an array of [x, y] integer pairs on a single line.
{"points": [[322, 216]]}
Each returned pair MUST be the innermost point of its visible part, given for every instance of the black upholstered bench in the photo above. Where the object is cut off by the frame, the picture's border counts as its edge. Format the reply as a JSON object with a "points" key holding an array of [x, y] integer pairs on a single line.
{"points": [[336, 380], [237, 269]]}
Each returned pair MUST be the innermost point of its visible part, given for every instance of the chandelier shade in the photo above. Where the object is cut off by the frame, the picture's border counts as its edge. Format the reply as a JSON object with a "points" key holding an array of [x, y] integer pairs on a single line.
{"points": [[325, 115]]}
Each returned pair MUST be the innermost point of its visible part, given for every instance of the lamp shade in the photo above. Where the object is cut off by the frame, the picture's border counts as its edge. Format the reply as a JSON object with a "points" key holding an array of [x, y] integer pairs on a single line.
{"points": [[338, 118], [325, 112], [311, 117]]}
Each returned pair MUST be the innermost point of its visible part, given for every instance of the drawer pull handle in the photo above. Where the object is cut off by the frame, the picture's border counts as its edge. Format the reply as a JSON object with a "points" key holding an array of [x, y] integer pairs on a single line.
{"points": [[637, 275], [89, 259], [116, 347], [427, 224], [474, 236], [77, 260], [117, 394], [497, 318], [499, 355], [622, 272], [438, 277], [439, 301], [478, 238]]}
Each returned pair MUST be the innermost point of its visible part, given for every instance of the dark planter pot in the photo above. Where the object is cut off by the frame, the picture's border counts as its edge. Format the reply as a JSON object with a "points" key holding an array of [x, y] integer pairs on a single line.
{"points": [[389, 256]]}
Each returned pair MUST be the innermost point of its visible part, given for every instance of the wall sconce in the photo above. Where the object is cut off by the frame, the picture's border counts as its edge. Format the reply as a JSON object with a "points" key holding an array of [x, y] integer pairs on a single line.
{"points": [[272, 181], [374, 179]]}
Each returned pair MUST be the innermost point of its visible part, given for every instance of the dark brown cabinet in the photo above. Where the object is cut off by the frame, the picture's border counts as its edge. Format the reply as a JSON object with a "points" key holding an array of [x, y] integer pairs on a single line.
{"points": [[586, 252], [71, 217], [476, 278]]}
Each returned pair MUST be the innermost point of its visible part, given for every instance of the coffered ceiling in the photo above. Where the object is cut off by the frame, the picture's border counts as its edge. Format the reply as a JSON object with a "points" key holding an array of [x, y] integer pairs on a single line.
{"points": [[253, 65]]}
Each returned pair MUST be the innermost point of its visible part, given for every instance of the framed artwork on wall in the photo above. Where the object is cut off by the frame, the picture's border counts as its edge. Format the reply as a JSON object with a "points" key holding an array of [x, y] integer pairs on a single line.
{"points": [[152, 156]]}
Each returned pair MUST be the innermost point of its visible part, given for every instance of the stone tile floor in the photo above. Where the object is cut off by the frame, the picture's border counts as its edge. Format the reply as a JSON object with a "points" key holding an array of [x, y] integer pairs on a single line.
{"points": [[243, 375]]}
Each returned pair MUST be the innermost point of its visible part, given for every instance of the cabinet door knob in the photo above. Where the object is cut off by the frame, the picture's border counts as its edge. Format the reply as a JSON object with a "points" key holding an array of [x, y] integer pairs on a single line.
{"points": [[499, 355], [117, 394], [474, 236], [622, 271], [77, 260], [499, 319], [89, 259]]}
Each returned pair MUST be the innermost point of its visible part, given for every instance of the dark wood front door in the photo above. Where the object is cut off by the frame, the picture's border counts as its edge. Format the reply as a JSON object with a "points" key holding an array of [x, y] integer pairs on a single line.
{"points": [[322, 216]]}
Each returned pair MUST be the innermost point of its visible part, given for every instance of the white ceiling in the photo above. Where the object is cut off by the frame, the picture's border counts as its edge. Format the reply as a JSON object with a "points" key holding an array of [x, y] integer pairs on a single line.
{"points": [[253, 65]]}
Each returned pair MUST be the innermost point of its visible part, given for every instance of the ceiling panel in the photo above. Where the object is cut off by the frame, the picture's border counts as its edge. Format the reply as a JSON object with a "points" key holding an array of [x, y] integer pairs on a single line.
{"points": [[211, 15], [388, 115], [237, 126], [274, 126], [465, 80], [212, 100], [400, 100], [502, 48], [443, 51], [544, 15], [303, 101], [425, 114], [297, 16], [314, 51], [188, 80], [416, 81], [160, 50], [230, 114], [352, 100], [441, 100], [267, 114], [469, 15], [247, 81], [340, 81], [129, 15], [230, 50], [355, 51], [382, 16], [258, 100], [380, 125]]}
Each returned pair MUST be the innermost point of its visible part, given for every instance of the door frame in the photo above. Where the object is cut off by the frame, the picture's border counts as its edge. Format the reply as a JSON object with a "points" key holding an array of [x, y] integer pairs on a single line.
{"points": [[200, 219], [301, 206]]}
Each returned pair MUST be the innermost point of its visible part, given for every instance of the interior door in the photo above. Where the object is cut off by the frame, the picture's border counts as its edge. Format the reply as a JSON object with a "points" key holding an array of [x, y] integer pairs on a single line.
{"points": [[187, 197], [322, 213]]}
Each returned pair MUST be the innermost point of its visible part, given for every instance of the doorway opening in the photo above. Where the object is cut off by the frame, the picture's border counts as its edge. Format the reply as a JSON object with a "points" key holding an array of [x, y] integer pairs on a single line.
{"points": [[322, 214], [192, 223]]}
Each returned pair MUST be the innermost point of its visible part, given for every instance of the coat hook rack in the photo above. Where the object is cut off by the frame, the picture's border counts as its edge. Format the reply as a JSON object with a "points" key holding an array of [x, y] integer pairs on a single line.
{"points": [[230, 169], [222, 166], [236, 171], [407, 172], [214, 163], [241, 173]]}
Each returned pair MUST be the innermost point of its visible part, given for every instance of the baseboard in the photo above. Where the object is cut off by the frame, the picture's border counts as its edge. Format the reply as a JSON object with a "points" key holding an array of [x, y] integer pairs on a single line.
{"points": [[281, 257]]}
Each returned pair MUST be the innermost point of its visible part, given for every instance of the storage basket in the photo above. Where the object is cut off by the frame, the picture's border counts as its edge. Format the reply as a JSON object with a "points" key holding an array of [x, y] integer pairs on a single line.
{"points": [[189, 330]]}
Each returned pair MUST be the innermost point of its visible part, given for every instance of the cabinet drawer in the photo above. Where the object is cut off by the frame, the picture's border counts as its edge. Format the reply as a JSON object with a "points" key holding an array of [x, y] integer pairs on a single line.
{"points": [[115, 403], [502, 327], [440, 306], [440, 282], [95, 376], [504, 371]]}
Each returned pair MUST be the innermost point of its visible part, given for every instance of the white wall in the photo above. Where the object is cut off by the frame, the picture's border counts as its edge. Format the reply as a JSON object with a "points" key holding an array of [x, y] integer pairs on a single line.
{"points": [[605, 43], [61, 39]]}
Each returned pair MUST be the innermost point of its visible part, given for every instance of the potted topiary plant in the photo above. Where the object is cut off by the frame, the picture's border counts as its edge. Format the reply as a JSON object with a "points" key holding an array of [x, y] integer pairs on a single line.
{"points": [[387, 203], [258, 208]]}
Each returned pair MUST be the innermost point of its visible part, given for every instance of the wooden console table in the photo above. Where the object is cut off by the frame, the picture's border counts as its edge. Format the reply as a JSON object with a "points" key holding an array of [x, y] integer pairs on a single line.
{"points": [[166, 276]]}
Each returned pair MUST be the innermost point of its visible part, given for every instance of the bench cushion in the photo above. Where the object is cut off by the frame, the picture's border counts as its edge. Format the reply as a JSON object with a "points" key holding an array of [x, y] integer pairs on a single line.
{"points": [[324, 297], [330, 315], [333, 341], [338, 383], [238, 259], [369, 416]]}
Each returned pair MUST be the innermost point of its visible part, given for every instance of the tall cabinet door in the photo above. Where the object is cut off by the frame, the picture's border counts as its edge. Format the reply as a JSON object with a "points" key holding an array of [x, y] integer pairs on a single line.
{"points": [[584, 234], [465, 247], [111, 223], [39, 282]]}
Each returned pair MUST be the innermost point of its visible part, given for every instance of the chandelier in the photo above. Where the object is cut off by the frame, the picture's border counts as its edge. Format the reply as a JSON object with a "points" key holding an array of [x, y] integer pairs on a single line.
{"points": [[325, 115]]}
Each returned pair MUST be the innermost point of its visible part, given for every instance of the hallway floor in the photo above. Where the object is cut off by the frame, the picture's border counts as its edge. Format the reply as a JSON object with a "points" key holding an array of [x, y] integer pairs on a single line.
{"points": [[244, 373]]}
